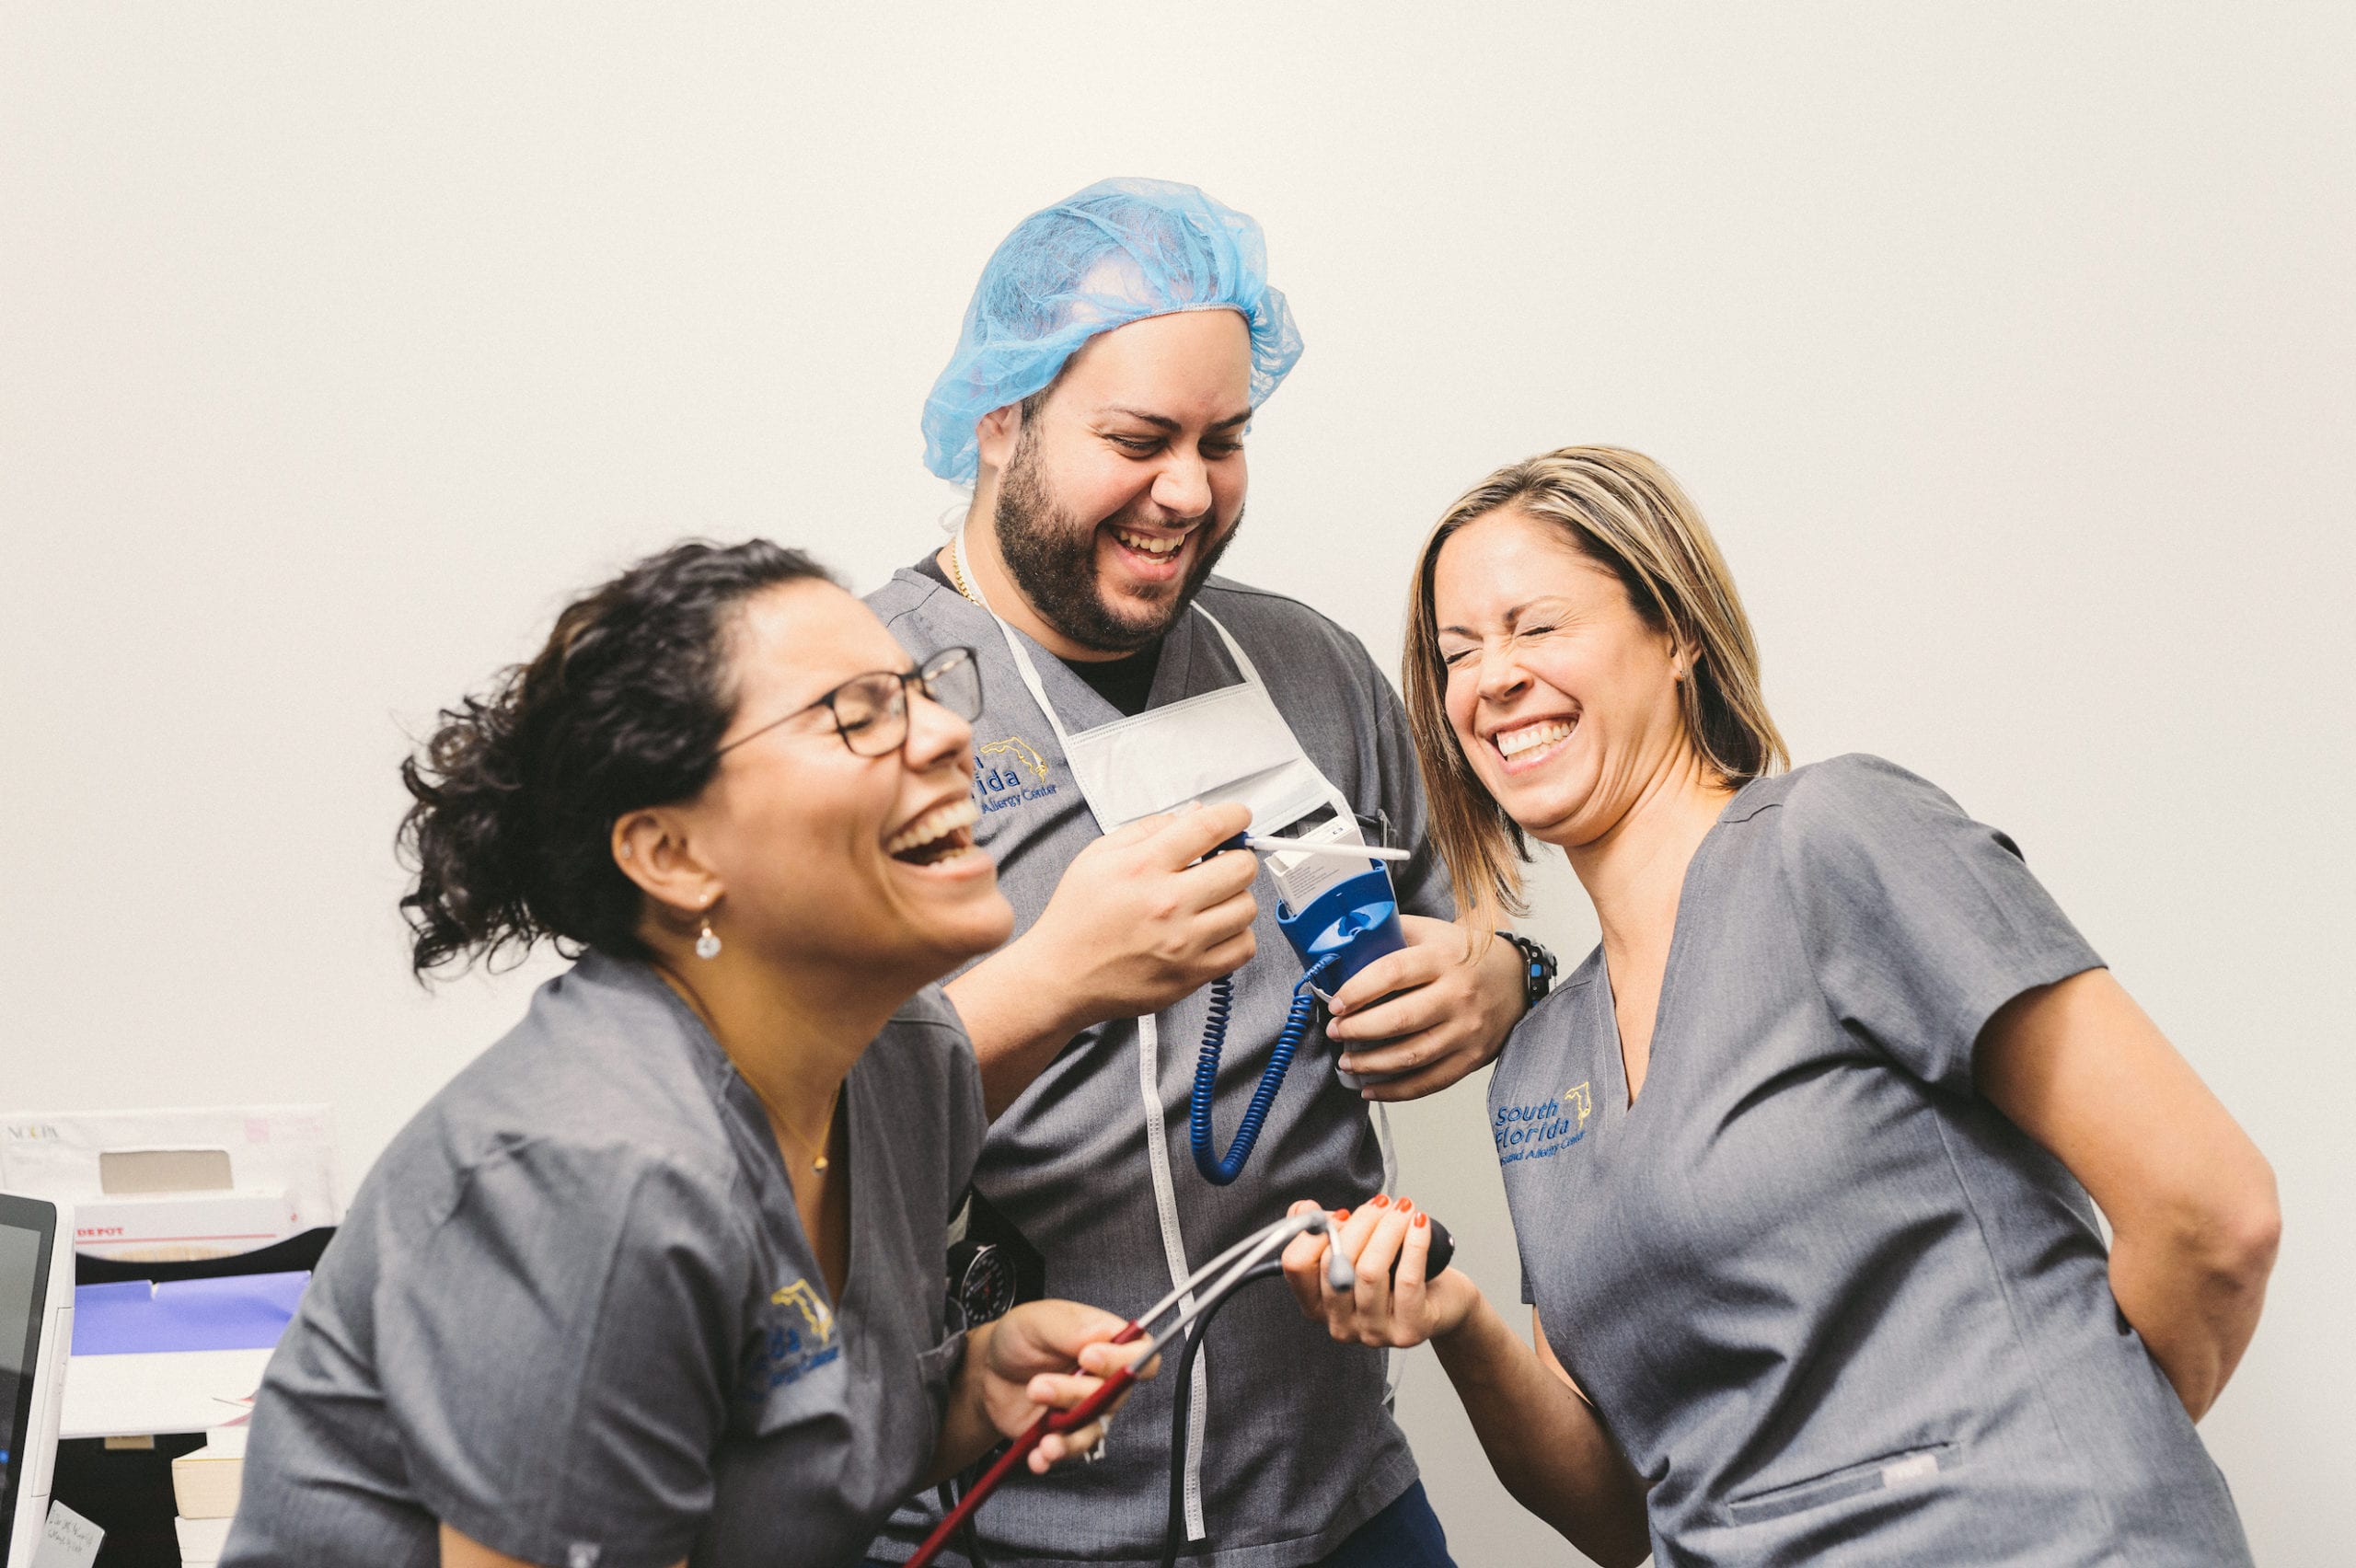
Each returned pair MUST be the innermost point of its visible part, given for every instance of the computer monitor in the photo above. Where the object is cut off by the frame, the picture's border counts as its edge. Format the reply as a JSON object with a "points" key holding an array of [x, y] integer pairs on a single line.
{"points": [[36, 1330]]}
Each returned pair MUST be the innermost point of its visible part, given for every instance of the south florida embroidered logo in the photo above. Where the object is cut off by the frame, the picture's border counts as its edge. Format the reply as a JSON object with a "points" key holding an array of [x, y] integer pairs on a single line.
{"points": [[1009, 773], [796, 1340], [1544, 1128]]}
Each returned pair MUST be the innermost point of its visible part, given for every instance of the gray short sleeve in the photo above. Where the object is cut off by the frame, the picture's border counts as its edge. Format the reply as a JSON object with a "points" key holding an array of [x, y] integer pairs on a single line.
{"points": [[1919, 923], [558, 1361]]}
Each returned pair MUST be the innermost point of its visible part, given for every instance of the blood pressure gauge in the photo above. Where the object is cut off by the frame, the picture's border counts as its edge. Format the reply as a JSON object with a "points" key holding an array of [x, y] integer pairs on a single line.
{"points": [[982, 1283]]}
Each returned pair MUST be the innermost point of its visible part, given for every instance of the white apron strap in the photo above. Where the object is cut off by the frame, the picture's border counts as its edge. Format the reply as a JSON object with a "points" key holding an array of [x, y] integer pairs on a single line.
{"points": [[1157, 1149], [1022, 666], [1173, 1250]]}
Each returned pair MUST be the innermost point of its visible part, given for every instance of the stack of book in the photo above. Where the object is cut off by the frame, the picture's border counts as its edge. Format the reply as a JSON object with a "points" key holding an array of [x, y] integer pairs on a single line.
{"points": [[205, 1484]]}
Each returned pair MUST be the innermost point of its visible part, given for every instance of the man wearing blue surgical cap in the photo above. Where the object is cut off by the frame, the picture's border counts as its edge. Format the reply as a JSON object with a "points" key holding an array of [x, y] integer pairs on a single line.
{"points": [[1138, 711]]}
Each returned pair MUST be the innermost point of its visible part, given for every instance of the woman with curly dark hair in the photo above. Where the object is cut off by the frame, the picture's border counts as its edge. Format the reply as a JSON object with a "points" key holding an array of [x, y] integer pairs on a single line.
{"points": [[658, 1278]]}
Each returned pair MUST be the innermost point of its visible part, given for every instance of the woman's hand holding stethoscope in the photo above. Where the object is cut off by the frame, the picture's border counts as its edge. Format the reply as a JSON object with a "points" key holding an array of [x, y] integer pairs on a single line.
{"points": [[1393, 1300], [1024, 1371], [1066, 1408]]}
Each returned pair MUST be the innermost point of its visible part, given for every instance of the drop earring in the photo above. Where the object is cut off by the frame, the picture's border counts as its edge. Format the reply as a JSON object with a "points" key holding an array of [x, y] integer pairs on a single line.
{"points": [[707, 945]]}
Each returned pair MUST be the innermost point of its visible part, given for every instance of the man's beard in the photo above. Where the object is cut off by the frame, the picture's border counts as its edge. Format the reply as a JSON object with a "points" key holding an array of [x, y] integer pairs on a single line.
{"points": [[1052, 556]]}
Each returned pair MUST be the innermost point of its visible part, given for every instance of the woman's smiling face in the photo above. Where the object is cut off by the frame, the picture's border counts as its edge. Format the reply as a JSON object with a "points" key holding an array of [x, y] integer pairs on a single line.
{"points": [[860, 861], [1562, 699]]}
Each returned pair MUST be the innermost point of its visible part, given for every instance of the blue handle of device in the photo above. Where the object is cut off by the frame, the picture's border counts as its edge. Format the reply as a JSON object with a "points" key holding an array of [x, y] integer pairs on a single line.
{"points": [[1342, 930], [1354, 922]]}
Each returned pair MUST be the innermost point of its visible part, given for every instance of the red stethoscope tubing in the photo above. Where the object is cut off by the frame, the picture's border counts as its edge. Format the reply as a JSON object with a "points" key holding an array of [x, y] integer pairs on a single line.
{"points": [[1020, 1449], [1252, 1250]]}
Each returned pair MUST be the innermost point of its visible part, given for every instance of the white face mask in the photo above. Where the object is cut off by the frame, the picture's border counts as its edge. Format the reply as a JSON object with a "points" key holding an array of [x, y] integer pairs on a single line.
{"points": [[1229, 744]]}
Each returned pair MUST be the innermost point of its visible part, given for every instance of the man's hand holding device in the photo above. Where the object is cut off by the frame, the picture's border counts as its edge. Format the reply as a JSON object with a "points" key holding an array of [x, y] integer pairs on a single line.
{"points": [[1139, 920]]}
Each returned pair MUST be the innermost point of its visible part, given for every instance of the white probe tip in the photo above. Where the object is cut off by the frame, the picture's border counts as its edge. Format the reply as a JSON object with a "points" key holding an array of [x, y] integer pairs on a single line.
{"points": [[1339, 851]]}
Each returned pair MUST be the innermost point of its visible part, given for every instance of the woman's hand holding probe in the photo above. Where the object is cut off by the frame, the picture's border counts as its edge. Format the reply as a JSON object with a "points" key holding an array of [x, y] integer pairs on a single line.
{"points": [[1431, 1013], [1022, 1365], [1385, 1307]]}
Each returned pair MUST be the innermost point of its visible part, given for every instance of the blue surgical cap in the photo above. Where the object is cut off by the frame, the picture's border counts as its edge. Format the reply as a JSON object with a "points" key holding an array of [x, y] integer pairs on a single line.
{"points": [[1117, 252]]}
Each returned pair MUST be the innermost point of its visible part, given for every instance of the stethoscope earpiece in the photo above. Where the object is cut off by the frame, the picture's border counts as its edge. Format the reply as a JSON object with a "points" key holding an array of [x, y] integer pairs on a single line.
{"points": [[1339, 1275]]}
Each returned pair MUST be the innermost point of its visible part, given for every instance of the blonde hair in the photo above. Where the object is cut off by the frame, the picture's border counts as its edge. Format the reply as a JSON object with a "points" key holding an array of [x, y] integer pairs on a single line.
{"points": [[1623, 512]]}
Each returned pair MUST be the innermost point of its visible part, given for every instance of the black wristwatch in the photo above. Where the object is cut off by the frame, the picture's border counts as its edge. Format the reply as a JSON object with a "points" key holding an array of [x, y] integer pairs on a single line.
{"points": [[1538, 968]]}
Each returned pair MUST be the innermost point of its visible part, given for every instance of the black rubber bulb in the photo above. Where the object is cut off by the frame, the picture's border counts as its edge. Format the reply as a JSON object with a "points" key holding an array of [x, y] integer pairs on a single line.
{"points": [[1443, 1248], [1339, 1276]]}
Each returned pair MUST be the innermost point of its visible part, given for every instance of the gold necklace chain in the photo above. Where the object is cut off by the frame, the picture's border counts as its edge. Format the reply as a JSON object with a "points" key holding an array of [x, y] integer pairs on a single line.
{"points": [[777, 1118], [957, 579]]}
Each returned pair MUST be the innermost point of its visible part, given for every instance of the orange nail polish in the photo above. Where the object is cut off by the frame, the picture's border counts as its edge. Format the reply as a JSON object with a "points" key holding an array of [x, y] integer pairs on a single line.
{"points": [[1340, 1214], [1407, 1204], [1422, 1220], [1381, 1199]]}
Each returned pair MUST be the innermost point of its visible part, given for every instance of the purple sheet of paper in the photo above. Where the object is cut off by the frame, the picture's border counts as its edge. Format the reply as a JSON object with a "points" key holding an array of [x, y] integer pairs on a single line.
{"points": [[239, 1312]]}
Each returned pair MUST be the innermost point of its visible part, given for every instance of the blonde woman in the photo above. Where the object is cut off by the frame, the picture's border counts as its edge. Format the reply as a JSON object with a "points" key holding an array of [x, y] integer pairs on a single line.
{"points": [[1801, 1158]]}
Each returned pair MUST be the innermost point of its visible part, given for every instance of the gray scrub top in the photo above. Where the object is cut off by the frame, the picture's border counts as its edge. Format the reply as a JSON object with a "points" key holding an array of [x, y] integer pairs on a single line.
{"points": [[572, 1313], [1301, 1450], [1835, 1308]]}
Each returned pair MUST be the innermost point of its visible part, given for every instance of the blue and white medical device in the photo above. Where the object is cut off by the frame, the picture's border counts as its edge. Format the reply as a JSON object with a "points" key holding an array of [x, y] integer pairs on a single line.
{"points": [[1340, 928]]}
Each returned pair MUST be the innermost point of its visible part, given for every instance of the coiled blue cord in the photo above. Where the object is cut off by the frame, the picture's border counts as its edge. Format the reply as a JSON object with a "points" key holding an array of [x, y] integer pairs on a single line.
{"points": [[1221, 1170]]}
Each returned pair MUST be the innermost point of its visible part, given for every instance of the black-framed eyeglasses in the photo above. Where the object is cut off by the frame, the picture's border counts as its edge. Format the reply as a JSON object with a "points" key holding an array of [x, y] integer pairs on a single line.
{"points": [[871, 712]]}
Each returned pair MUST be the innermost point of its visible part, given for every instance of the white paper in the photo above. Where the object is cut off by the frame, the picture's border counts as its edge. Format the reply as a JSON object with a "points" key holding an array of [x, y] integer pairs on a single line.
{"points": [[201, 1540], [172, 1390], [197, 1224], [67, 1541], [284, 1151]]}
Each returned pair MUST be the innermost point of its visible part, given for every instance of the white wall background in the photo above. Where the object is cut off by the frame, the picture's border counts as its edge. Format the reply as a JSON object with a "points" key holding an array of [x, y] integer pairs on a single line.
{"points": [[2007, 348]]}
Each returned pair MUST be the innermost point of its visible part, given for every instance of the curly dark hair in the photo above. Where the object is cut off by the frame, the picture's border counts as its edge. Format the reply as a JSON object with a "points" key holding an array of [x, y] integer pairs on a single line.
{"points": [[518, 792]]}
